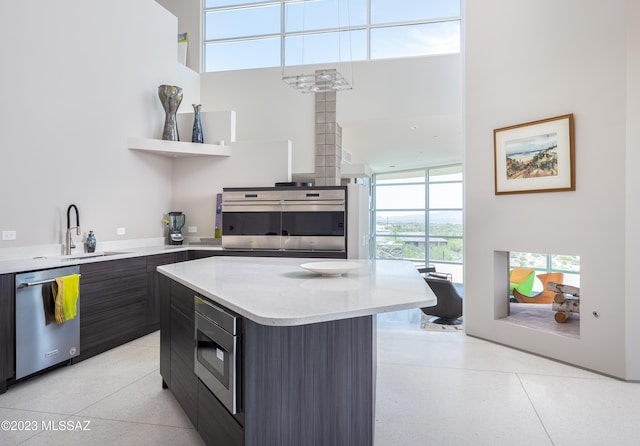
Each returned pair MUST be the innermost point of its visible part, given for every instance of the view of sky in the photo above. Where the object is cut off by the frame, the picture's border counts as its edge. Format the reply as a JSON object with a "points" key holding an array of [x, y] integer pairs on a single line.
{"points": [[262, 22], [531, 143]]}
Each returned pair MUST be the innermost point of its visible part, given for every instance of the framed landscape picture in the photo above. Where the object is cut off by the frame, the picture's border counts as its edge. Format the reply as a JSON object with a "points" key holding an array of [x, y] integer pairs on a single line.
{"points": [[536, 156]]}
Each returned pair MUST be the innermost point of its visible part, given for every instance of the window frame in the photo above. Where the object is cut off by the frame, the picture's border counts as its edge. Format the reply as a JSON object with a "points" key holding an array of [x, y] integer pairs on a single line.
{"points": [[427, 174], [283, 34], [548, 260]]}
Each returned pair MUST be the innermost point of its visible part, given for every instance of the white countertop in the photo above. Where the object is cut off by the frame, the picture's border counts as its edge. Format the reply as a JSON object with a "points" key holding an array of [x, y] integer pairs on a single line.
{"points": [[37, 262], [277, 291]]}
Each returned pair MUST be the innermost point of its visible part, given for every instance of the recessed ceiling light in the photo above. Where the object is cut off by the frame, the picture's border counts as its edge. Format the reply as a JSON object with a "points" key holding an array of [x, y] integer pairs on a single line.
{"points": [[413, 127]]}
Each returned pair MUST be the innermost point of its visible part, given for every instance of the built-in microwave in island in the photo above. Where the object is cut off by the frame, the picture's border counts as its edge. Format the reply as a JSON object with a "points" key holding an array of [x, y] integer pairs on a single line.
{"points": [[218, 353]]}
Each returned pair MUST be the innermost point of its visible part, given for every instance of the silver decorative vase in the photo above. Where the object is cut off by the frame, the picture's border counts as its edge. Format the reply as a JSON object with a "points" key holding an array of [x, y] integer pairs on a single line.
{"points": [[170, 97]]}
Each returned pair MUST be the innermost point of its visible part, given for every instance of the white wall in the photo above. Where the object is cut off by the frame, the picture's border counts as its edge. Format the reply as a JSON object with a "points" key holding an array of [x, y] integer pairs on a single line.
{"points": [[267, 109], [388, 97], [188, 14], [632, 204], [531, 60], [198, 180], [79, 77]]}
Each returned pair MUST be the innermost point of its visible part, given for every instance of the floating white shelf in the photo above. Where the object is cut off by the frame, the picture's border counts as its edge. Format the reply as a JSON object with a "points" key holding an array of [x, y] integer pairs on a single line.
{"points": [[175, 149]]}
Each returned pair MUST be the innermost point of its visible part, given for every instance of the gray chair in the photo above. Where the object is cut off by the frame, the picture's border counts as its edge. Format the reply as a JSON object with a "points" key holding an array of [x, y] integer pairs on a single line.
{"points": [[449, 306]]}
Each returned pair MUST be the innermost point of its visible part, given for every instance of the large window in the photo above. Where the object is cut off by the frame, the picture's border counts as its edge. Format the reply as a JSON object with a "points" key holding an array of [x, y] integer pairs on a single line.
{"points": [[241, 34], [542, 263], [418, 217]]}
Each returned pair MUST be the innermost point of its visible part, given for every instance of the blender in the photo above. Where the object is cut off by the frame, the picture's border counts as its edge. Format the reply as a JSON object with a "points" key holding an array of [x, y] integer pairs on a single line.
{"points": [[175, 222]]}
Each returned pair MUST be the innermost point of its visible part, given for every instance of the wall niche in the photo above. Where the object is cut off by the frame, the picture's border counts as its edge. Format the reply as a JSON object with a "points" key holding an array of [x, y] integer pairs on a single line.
{"points": [[523, 296]]}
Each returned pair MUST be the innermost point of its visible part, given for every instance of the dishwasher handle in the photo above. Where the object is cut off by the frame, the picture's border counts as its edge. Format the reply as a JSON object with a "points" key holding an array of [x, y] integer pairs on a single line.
{"points": [[39, 282]]}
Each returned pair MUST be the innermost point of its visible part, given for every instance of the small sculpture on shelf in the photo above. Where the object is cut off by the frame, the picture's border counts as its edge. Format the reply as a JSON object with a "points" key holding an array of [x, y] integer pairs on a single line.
{"points": [[170, 97], [196, 136]]}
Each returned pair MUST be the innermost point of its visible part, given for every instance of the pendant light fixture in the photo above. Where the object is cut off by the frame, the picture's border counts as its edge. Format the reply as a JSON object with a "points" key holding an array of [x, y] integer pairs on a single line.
{"points": [[327, 79]]}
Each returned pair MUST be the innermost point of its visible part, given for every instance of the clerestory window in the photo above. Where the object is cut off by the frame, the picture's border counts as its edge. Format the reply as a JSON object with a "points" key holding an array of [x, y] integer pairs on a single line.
{"points": [[245, 34]]}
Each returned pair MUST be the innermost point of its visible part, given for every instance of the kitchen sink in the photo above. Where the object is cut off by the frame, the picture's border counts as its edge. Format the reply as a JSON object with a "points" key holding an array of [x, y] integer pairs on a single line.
{"points": [[93, 254]]}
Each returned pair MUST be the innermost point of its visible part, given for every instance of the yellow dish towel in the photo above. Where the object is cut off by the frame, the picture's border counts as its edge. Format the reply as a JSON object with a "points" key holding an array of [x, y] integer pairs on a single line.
{"points": [[65, 295]]}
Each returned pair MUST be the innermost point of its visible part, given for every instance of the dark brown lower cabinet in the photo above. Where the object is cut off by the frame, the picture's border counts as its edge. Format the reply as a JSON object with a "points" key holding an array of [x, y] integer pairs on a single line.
{"points": [[163, 296], [177, 346], [216, 425], [153, 304], [113, 304], [7, 339], [102, 331], [184, 386]]}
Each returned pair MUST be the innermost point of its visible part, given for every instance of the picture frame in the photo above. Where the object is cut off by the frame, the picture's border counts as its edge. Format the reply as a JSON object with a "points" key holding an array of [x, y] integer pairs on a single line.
{"points": [[536, 156]]}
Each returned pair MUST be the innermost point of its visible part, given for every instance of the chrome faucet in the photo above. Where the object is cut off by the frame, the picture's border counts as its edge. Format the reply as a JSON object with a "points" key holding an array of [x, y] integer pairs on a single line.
{"points": [[69, 242]]}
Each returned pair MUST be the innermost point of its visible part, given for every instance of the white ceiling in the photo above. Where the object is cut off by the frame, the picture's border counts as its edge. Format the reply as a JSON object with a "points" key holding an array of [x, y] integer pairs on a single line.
{"points": [[404, 143], [404, 113]]}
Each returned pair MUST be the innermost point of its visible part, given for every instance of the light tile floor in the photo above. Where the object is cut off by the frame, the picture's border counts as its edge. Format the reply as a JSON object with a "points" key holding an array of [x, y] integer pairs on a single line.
{"points": [[118, 392], [434, 388]]}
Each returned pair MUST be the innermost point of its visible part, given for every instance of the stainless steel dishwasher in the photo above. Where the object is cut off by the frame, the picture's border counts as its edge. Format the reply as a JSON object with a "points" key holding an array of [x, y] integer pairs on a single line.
{"points": [[40, 345]]}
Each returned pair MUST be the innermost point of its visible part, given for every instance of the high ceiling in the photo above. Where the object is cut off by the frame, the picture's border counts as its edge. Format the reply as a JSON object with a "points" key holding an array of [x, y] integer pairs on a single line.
{"points": [[404, 143], [403, 114]]}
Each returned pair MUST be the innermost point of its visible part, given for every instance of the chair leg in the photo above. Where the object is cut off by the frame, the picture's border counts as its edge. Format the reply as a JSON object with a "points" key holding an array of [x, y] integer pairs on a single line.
{"points": [[446, 321]]}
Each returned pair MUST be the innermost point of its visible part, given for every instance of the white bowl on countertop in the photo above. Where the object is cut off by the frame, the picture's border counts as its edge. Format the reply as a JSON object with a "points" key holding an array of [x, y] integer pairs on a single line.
{"points": [[332, 268]]}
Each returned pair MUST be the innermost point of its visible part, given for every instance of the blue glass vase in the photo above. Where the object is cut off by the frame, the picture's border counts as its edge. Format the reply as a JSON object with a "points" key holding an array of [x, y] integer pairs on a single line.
{"points": [[197, 125]]}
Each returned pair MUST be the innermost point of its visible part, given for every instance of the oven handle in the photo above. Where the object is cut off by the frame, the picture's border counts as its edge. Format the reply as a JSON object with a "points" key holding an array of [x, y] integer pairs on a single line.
{"points": [[251, 202], [218, 316], [197, 300], [214, 332], [313, 206], [253, 206], [313, 202]]}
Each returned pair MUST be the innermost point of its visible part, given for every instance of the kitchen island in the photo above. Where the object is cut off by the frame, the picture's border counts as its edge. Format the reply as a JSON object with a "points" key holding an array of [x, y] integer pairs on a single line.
{"points": [[307, 345]]}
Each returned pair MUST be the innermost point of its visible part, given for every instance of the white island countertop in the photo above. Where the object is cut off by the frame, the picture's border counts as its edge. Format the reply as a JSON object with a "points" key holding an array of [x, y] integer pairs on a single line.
{"points": [[278, 292]]}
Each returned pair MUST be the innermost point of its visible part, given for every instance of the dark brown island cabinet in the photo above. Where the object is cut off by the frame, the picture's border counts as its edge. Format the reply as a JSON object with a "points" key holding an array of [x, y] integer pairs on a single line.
{"points": [[309, 384]]}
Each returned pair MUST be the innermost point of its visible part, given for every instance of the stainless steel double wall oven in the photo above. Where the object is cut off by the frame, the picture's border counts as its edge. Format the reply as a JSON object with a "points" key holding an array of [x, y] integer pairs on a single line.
{"points": [[285, 219]]}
